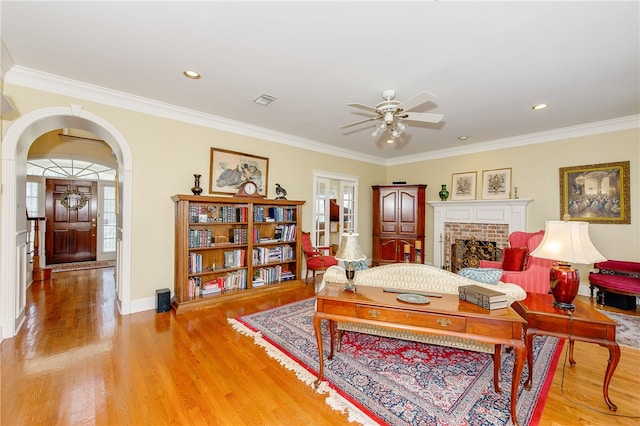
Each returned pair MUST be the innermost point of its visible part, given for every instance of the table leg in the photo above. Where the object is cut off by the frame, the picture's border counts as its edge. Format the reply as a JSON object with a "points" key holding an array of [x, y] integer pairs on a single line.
{"points": [[317, 322], [521, 352], [528, 338], [497, 368], [572, 361], [614, 357], [332, 333]]}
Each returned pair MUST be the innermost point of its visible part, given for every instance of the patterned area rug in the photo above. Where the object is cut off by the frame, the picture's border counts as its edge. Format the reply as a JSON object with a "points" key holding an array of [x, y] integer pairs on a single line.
{"points": [[77, 266], [379, 380], [628, 329]]}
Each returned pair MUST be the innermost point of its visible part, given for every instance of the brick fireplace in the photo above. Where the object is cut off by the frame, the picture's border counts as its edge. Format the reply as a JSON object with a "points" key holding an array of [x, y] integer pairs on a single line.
{"points": [[483, 220]]}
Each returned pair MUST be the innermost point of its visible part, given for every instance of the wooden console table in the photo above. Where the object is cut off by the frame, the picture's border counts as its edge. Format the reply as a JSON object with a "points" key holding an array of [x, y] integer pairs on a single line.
{"points": [[446, 315], [584, 324]]}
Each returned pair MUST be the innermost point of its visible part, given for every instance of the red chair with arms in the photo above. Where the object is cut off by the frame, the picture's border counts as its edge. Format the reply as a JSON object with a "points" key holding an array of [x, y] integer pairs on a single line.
{"points": [[534, 278], [316, 259]]}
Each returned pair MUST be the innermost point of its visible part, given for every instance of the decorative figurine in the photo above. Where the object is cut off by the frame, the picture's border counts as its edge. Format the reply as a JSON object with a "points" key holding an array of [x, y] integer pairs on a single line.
{"points": [[280, 192]]}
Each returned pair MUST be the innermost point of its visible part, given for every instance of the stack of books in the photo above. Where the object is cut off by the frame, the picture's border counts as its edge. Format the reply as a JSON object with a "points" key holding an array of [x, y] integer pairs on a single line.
{"points": [[482, 296]]}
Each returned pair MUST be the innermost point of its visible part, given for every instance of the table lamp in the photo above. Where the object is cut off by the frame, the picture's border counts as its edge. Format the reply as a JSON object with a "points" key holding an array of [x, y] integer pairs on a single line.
{"points": [[566, 243], [350, 252]]}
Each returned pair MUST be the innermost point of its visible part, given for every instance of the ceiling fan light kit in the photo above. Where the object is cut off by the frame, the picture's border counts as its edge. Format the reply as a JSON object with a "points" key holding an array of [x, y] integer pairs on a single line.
{"points": [[391, 113]]}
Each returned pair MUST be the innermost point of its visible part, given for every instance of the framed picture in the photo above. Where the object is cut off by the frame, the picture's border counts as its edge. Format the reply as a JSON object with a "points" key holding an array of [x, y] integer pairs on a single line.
{"points": [[496, 184], [463, 186], [598, 193], [230, 169]]}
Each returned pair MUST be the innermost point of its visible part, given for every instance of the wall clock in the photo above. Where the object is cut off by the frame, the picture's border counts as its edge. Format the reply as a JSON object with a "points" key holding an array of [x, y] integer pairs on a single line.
{"points": [[249, 189]]}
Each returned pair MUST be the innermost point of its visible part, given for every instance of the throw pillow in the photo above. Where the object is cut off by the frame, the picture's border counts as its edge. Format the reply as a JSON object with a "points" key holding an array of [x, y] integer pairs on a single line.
{"points": [[361, 265], [514, 258], [483, 275]]}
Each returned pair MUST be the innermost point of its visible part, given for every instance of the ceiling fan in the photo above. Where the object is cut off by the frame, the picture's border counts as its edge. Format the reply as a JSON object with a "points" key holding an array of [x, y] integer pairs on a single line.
{"points": [[391, 113]]}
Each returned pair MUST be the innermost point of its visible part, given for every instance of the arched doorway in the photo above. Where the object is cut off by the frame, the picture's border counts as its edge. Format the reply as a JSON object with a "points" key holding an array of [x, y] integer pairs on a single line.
{"points": [[21, 134]]}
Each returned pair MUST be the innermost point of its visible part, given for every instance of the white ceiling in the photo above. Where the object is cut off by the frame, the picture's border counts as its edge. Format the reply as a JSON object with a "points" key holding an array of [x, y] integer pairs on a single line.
{"points": [[487, 63]]}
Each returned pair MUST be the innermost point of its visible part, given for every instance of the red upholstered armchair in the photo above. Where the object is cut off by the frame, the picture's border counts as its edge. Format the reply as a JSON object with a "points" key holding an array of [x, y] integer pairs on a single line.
{"points": [[316, 259], [530, 273]]}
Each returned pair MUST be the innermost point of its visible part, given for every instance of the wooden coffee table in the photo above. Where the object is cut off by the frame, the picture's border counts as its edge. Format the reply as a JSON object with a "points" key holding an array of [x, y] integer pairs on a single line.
{"points": [[446, 315], [584, 324]]}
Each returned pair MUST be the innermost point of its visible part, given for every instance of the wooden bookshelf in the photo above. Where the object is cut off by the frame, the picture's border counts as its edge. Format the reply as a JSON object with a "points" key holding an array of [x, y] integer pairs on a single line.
{"points": [[234, 247]]}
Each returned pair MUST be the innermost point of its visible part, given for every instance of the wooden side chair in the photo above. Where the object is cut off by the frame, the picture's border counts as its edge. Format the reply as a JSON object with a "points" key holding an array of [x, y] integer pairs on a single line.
{"points": [[318, 258]]}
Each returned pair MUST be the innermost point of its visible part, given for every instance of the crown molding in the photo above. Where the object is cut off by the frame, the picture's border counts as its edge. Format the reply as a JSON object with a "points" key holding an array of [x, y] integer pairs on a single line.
{"points": [[6, 61], [607, 126], [34, 79]]}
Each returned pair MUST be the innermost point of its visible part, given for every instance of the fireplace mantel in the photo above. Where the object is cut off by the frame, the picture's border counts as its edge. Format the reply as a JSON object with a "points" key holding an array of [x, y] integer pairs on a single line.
{"points": [[512, 212]]}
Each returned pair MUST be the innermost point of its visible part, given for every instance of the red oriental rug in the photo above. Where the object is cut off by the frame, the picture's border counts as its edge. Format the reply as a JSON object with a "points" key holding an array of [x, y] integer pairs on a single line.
{"points": [[379, 380]]}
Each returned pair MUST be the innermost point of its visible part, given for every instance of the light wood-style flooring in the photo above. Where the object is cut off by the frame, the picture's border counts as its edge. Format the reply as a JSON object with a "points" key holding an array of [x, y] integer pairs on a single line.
{"points": [[76, 361]]}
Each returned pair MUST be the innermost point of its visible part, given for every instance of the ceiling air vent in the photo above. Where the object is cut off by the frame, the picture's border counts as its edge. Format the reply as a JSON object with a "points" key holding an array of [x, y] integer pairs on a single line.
{"points": [[264, 99]]}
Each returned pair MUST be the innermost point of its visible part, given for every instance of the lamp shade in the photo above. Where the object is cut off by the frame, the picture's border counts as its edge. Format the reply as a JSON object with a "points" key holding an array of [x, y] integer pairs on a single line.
{"points": [[349, 250], [568, 242]]}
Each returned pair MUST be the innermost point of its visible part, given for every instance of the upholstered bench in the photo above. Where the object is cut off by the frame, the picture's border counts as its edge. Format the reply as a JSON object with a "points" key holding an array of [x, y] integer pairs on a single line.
{"points": [[618, 283], [418, 277]]}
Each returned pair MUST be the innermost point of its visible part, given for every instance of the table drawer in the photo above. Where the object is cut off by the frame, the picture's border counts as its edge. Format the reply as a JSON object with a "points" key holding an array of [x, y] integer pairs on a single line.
{"points": [[419, 319], [338, 308]]}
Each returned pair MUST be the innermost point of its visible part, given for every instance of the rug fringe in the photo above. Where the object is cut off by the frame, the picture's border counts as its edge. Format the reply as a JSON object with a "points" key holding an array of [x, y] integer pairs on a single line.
{"points": [[334, 400]]}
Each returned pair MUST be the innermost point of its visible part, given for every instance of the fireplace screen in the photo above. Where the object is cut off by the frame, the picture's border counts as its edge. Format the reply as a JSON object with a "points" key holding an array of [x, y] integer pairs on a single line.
{"points": [[469, 253]]}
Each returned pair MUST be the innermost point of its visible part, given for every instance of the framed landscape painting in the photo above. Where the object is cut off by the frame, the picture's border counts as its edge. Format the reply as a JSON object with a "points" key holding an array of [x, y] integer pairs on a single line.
{"points": [[496, 184], [596, 193], [463, 186], [230, 169]]}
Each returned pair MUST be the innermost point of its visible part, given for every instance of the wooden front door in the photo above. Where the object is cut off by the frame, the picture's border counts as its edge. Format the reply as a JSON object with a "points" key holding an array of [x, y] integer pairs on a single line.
{"points": [[71, 210]]}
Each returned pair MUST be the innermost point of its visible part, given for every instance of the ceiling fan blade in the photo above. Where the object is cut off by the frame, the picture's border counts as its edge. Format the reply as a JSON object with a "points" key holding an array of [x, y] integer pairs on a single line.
{"points": [[364, 107], [414, 102], [359, 122], [426, 117]]}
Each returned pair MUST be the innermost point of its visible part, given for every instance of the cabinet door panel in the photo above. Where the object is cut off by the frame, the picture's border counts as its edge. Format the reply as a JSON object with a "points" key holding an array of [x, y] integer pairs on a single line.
{"points": [[408, 212], [389, 208], [388, 250]]}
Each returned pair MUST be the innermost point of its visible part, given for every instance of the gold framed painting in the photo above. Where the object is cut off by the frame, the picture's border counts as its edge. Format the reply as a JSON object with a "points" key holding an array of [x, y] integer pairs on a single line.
{"points": [[596, 193], [496, 184], [463, 186], [230, 169]]}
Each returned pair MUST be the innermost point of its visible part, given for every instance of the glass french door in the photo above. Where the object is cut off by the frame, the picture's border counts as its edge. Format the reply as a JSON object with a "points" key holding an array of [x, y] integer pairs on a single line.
{"points": [[341, 193]]}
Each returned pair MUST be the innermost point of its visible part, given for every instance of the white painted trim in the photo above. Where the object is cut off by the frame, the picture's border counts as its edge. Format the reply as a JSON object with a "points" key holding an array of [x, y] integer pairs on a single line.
{"points": [[512, 212], [18, 138], [27, 77]]}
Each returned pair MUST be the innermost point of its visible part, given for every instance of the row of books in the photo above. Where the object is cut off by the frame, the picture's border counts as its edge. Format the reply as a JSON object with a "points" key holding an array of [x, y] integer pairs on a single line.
{"points": [[199, 238], [482, 296], [262, 255], [238, 235], [212, 214], [198, 214], [285, 233], [271, 275], [273, 214], [235, 280], [194, 263]]}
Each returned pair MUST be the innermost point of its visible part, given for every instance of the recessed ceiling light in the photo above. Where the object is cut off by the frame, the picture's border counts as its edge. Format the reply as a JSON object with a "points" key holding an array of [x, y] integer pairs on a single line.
{"points": [[539, 106], [264, 99], [463, 138], [191, 74]]}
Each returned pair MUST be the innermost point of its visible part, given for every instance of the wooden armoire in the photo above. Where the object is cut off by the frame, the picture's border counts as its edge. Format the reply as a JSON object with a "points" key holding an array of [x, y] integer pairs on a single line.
{"points": [[398, 222]]}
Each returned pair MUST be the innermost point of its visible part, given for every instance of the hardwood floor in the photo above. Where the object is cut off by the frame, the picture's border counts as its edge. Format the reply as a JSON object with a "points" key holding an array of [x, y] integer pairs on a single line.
{"points": [[76, 361]]}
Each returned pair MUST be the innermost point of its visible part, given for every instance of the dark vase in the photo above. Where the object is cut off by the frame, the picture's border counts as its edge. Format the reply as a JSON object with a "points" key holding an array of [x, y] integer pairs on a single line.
{"points": [[444, 194], [196, 188]]}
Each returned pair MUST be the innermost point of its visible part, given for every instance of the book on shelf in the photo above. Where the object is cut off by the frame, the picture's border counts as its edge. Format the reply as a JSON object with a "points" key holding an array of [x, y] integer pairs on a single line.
{"points": [[482, 296]]}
